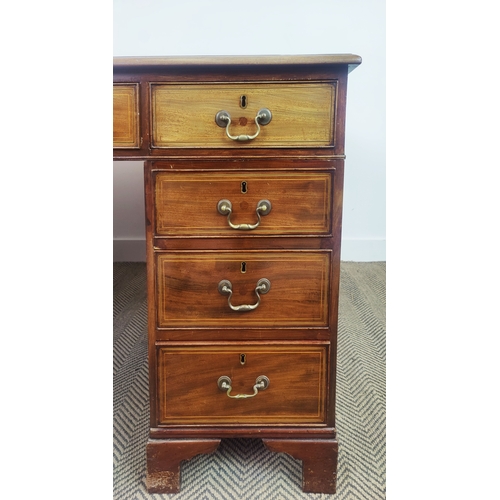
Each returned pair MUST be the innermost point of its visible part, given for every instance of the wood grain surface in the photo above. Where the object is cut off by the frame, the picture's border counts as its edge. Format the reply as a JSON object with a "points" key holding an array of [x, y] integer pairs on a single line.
{"points": [[184, 115], [126, 116], [188, 391], [188, 295], [186, 203]]}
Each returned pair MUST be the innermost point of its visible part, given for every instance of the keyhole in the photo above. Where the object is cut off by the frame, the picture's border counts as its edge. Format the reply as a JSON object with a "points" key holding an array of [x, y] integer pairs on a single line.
{"points": [[243, 267], [243, 101], [243, 359], [243, 187]]}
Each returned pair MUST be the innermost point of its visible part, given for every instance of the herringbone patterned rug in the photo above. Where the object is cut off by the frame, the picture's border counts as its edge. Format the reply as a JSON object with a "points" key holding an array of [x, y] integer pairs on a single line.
{"points": [[243, 469]]}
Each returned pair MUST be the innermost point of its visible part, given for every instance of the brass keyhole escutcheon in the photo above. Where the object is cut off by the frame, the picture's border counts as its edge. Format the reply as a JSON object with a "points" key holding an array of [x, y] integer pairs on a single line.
{"points": [[243, 359], [243, 101], [243, 267], [244, 187]]}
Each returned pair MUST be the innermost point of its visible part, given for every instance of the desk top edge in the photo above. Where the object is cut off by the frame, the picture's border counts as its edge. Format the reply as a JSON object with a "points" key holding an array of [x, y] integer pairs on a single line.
{"points": [[124, 62]]}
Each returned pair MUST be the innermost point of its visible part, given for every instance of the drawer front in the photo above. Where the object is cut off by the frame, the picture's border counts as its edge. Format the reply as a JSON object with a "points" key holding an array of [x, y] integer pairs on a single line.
{"points": [[188, 392], [126, 116], [302, 114], [189, 283], [186, 204]]}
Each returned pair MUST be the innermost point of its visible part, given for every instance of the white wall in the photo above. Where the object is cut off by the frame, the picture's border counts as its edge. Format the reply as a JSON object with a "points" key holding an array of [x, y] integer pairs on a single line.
{"points": [[226, 27]]}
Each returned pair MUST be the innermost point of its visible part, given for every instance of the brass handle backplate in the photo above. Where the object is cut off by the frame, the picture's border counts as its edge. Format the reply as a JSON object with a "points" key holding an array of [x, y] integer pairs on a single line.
{"points": [[261, 384], [225, 207], [225, 287], [223, 119]]}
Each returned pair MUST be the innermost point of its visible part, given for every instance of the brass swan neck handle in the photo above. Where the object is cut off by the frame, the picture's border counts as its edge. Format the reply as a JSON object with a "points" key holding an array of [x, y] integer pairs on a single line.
{"points": [[223, 119], [225, 287], [225, 207]]}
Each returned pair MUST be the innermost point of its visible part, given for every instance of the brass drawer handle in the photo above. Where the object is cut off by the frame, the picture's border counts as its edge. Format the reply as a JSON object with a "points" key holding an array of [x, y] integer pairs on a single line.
{"points": [[225, 207], [261, 384], [225, 287], [223, 119]]}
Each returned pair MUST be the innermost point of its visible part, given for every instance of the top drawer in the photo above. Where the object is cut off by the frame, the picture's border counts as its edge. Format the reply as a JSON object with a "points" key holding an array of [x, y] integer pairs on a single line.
{"points": [[302, 114], [126, 116]]}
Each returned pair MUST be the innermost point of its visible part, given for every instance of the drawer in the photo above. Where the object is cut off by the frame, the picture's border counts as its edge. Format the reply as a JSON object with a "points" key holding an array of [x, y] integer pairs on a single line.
{"points": [[190, 293], [186, 204], [126, 116], [188, 390], [302, 114]]}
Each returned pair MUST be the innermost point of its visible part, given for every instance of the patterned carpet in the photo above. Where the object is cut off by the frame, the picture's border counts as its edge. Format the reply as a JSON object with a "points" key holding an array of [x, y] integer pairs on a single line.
{"points": [[243, 469]]}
